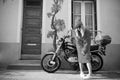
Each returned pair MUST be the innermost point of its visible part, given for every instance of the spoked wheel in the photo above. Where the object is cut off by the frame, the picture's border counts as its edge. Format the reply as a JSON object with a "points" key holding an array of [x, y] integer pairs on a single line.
{"points": [[48, 65], [97, 62]]}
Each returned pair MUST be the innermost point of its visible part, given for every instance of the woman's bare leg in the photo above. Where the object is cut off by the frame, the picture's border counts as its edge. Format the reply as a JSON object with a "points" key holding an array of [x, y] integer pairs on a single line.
{"points": [[89, 70], [81, 69]]}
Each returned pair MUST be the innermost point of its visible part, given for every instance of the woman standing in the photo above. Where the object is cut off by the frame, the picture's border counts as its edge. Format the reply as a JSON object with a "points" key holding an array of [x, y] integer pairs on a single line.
{"points": [[83, 41]]}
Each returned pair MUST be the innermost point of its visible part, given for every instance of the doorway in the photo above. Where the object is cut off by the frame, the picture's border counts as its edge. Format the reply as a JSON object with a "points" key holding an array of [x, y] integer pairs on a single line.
{"points": [[31, 30]]}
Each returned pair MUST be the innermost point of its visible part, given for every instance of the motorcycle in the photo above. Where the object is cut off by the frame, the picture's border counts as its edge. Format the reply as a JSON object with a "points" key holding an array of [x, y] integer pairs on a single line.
{"points": [[51, 61]]}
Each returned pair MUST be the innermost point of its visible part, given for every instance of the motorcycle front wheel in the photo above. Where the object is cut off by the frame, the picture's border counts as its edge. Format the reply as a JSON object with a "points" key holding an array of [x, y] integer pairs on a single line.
{"points": [[48, 65]]}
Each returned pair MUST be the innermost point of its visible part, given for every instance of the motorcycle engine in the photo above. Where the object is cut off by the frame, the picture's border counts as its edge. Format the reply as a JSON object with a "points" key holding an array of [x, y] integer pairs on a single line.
{"points": [[73, 59], [71, 55]]}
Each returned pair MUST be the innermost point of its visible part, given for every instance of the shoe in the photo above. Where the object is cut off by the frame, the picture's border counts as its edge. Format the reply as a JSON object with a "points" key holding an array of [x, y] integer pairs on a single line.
{"points": [[82, 75], [88, 76]]}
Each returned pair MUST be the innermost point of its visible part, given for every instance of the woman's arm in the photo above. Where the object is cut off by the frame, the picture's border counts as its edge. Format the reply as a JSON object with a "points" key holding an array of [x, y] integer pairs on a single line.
{"points": [[87, 43], [76, 33]]}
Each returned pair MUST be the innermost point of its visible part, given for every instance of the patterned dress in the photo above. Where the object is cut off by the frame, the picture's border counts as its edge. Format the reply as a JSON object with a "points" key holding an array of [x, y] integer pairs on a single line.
{"points": [[83, 45]]}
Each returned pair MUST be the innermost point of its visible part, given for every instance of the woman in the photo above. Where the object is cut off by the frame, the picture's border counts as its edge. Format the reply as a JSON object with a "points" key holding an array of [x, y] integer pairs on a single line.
{"points": [[83, 41]]}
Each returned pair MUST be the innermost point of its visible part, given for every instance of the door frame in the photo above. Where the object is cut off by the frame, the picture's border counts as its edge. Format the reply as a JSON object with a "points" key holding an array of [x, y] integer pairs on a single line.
{"points": [[95, 13], [22, 23]]}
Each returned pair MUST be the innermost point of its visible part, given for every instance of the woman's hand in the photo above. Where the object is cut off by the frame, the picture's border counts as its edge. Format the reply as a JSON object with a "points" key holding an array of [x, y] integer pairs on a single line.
{"points": [[83, 53]]}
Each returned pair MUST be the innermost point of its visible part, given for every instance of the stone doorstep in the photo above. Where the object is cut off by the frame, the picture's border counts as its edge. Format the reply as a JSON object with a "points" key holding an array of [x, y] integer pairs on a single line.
{"points": [[3, 68], [25, 65], [35, 65], [29, 65], [30, 57]]}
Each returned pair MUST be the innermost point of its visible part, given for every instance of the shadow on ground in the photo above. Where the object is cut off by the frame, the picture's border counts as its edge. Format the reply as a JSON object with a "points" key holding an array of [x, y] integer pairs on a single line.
{"points": [[97, 76], [109, 75]]}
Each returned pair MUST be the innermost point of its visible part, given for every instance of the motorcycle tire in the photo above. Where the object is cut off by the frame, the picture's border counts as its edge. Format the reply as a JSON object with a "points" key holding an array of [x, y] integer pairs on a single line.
{"points": [[96, 62], [47, 66]]}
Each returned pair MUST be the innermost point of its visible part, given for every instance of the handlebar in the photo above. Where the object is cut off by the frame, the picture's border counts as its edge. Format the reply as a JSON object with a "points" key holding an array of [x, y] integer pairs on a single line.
{"points": [[67, 36], [64, 37]]}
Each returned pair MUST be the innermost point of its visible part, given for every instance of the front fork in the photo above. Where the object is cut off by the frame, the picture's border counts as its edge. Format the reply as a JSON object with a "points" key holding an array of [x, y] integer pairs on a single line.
{"points": [[54, 55], [56, 52]]}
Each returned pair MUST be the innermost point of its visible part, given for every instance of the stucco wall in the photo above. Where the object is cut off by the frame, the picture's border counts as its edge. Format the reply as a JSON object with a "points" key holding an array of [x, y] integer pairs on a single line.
{"points": [[110, 18], [10, 26], [10, 20], [109, 23], [62, 14]]}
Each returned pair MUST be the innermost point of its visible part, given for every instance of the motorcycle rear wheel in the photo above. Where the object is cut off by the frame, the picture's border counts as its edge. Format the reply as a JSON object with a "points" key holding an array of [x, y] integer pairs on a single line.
{"points": [[48, 66], [96, 62]]}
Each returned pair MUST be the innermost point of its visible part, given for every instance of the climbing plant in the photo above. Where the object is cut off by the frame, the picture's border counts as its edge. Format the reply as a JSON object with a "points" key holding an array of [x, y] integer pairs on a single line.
{"points": [[57, 24]]}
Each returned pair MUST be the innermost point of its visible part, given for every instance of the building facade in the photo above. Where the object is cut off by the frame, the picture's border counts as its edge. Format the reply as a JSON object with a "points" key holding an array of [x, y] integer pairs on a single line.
{"points": [[24, 25]]}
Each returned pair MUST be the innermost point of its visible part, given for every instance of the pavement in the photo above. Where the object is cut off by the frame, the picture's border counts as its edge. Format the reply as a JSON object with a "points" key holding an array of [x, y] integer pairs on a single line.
{"points": [[59, 75]]}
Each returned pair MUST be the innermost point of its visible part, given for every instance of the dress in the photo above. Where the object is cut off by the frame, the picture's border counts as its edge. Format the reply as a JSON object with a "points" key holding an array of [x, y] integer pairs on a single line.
{"points": [[83, 45]]}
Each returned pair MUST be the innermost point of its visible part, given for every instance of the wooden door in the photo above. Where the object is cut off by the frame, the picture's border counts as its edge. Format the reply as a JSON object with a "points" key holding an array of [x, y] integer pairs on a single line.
{"points": [[31, 31]]}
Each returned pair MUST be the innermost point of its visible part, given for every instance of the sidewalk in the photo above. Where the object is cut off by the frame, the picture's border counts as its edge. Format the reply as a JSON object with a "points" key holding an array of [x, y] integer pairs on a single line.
{"points": [[59, 75]]}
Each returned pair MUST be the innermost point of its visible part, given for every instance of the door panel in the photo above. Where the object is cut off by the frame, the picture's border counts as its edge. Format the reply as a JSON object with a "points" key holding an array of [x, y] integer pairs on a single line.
{"points": [[32, 24], [32, 30], [33, 12], [28, 38], [31, 51], [76, 12]]}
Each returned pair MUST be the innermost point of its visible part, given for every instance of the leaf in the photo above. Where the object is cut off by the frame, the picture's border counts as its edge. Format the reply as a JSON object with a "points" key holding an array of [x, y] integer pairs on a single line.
{"points": [[60, 1], [55, 8], [59, 25], [49, 14], [50, 34]]}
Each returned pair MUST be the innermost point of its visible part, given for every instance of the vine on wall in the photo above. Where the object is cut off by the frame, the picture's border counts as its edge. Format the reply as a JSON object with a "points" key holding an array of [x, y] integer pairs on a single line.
{"points": [[57, 25]]}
